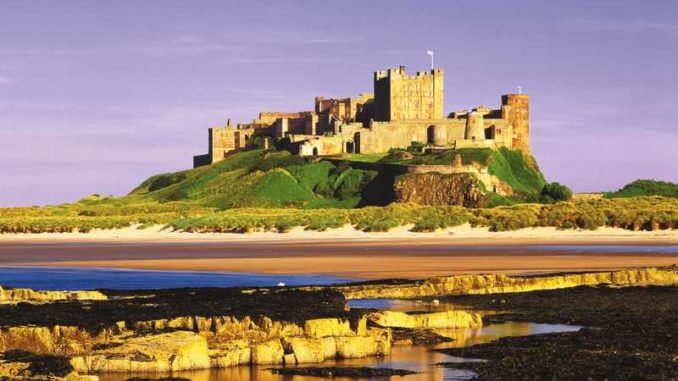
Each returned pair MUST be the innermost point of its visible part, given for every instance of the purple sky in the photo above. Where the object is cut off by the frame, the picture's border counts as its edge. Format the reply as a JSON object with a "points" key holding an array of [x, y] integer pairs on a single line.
{"points": [[97, 95]]}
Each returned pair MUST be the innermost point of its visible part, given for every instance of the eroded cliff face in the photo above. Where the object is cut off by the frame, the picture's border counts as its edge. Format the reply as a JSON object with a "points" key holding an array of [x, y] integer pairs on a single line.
{"points": [[500, 283], [462, 189], [191, 342], [26, 295], [445, 319]]}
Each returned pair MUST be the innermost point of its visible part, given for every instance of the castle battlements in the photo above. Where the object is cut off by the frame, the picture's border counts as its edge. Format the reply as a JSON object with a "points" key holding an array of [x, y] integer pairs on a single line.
{"points": [[403, 108]]}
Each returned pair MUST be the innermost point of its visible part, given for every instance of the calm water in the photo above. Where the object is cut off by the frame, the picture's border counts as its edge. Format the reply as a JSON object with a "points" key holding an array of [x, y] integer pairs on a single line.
{"points": [[650, 249], [654, 249], [403, 305], [419, 359], [58, 278]]}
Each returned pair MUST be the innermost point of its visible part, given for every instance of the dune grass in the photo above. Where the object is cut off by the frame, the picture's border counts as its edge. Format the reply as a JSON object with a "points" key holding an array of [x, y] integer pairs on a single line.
{"points": [[646, 188], [642, 213]]}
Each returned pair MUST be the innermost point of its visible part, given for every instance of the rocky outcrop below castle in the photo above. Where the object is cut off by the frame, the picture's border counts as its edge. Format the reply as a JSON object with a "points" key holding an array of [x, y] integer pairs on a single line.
{"points": [[26, 295], [500, 283], [463, 189]]}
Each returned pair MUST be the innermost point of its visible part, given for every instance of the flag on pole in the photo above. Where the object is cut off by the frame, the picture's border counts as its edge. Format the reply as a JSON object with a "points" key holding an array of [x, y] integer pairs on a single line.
{"points": [[429, 52]]}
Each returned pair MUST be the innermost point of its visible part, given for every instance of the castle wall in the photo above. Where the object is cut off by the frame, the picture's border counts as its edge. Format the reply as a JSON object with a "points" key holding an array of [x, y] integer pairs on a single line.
{"points": [[269, 117], [221, 141], [383, 136], [324, 145], [346, 109], [311, 125]]}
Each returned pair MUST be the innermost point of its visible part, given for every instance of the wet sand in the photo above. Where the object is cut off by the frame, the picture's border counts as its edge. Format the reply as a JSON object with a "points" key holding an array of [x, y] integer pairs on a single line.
{"points": [[398, 254]]}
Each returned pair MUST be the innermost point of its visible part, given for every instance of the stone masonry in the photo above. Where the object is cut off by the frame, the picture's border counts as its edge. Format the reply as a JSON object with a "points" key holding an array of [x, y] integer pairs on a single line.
{"points": [[403, 109]]}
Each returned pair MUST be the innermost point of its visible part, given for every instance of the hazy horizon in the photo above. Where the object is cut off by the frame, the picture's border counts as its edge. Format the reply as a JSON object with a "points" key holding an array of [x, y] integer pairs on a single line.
{"points": [[97, 96]]}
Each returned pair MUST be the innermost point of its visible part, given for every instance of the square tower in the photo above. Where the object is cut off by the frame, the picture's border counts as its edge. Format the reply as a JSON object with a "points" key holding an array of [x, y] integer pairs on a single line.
{"points": [[399, 96], [516, 109]]}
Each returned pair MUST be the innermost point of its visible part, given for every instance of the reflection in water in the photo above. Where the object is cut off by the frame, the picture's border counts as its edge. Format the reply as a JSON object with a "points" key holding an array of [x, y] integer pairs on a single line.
{"points": [[466, 337], [404, 305], [419, 359]]}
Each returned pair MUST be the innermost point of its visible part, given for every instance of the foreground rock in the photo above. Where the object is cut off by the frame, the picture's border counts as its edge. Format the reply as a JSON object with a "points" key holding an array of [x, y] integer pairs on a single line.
{"points": [[26, 295], [166, 352], [500, 283], [291, 327], [222, 342], [446, 319]]}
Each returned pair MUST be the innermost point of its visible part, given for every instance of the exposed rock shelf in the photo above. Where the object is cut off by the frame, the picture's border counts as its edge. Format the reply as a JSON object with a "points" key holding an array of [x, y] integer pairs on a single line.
{"points": [[500, 283], [22, 295]]}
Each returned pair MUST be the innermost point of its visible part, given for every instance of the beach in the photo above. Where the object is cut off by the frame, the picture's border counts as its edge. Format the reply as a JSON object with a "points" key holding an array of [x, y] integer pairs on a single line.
{"points": [[346, 252]]}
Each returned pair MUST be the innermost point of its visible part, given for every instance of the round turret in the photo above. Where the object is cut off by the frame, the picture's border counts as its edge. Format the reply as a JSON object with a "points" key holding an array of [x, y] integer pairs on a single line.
{"points": [[439, 136], [475, 127]]}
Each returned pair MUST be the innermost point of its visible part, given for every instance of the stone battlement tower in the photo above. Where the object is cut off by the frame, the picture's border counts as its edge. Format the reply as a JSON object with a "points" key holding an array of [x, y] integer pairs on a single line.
{"points": [[399, 96], [518, 111]]}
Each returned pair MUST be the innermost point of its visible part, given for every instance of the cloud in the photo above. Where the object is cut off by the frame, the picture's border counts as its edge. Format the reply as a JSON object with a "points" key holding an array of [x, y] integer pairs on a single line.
{"points": [[4, 80], [180, 45], [630, 26], [189, 44]]}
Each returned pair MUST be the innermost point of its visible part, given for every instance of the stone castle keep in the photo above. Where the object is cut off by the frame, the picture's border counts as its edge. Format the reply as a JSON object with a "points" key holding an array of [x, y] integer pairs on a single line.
{"points": [[403, 109]]}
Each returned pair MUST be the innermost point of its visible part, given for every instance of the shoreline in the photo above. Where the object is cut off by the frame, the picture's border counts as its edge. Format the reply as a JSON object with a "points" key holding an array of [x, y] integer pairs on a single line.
{"points": [[348, 253], [458, 235]]}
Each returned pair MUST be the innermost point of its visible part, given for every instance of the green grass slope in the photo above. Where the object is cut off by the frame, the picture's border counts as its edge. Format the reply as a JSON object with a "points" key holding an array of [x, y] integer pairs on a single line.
{"points": [[640, 188], [260, 178]]}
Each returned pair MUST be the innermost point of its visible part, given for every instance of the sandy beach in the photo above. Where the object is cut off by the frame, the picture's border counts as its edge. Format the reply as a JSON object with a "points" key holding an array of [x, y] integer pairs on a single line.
{"points": [[346, 252], [459, 235]]}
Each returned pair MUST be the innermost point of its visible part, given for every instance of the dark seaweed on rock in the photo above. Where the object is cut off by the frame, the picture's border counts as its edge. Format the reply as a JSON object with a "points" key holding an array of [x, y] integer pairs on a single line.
{"points": [[337, 371], [631, 335], [425, 337], [40, 364], [132, 306]]}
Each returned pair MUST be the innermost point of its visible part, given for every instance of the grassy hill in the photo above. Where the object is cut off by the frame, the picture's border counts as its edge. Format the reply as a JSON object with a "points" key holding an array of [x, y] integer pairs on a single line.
{"points": [[261, 178], [645, 188], [274, 190], [270, 179]]}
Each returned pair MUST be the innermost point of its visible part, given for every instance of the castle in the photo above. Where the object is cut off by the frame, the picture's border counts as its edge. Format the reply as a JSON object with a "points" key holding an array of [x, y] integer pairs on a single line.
{"points": [[403, 109]]}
